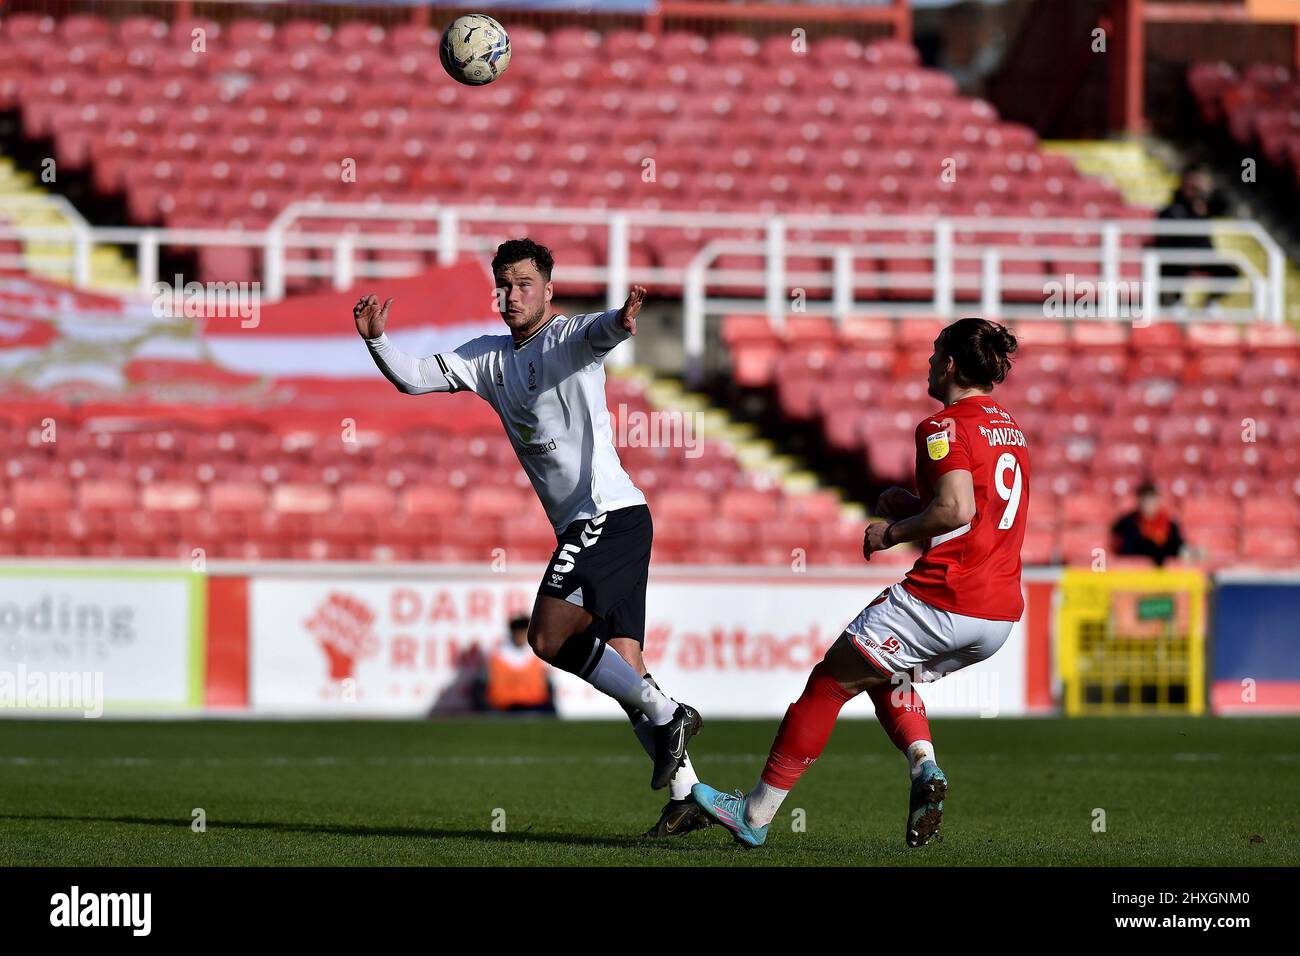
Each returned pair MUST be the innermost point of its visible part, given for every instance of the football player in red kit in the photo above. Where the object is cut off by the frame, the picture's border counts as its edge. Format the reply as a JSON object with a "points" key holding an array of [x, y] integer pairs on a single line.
{"points": [[954, 608]]}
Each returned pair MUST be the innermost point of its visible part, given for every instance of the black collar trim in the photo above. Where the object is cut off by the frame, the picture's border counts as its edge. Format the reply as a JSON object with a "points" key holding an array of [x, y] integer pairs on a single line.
{"points": [[545, 326]]}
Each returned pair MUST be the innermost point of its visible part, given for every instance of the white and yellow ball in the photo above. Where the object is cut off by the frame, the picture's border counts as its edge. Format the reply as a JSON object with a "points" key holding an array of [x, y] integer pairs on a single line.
{"points": [[475, 49]]}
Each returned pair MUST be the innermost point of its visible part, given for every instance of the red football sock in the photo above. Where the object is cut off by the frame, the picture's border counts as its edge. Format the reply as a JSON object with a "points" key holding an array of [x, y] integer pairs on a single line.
{"points": [[804, 731], [902, 716]]}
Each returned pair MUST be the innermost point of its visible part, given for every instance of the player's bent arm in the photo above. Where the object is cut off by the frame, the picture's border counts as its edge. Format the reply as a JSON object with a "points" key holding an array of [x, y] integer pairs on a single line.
{"points": [[896, 503], [952, 507], [411, 375]]}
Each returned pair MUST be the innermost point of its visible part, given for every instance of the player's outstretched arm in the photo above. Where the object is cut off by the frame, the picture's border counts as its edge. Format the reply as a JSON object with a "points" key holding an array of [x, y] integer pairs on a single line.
{"points": [[617, 326], [411, 375], [952, 507]]}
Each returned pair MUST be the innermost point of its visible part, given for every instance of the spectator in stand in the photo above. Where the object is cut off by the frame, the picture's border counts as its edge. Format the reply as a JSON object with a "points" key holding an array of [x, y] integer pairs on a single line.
{"points": [[514, 679], [1196, 199], [1150, 531]]}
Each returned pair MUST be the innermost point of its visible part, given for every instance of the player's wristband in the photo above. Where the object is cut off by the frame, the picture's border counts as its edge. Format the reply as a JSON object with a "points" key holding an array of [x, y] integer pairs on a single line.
{"points": [[889, 530]]}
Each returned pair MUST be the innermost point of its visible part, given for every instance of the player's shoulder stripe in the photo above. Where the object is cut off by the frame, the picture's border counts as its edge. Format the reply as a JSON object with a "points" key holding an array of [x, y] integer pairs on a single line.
{"points": [[442, 367]]}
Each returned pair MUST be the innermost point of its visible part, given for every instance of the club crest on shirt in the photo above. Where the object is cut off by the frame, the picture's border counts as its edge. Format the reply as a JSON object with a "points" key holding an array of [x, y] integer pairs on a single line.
{"points": [[532, 375], [501, 379], [936, 446]]}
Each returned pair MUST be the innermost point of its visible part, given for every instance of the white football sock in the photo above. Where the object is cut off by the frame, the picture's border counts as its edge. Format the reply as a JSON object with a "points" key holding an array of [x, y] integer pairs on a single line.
{"points": [[679, 788], [616, 677], [918, 753], [762, 803]]}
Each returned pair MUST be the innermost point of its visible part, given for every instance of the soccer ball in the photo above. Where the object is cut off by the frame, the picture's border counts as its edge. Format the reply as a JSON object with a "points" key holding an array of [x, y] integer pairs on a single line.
{"points": [[475, 49]]}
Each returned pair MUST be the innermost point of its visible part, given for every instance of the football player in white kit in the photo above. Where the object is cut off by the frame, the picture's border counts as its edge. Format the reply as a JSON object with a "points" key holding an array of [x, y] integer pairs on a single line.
{"points": [[546, 381]]}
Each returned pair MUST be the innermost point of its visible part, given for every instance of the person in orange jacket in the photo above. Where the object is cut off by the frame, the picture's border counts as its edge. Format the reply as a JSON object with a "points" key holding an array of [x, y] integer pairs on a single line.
{"points": [[514, 679]]}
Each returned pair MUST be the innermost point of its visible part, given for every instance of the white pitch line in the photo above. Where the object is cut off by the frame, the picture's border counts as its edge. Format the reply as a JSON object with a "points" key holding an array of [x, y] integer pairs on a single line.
{"points": [[504, 760], [520, 760]]}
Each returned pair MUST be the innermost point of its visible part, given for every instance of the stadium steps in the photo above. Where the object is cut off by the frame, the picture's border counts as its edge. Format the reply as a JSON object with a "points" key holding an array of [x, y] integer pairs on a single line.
{"points": [[756, 455], [110, 271], [1130, 165]]}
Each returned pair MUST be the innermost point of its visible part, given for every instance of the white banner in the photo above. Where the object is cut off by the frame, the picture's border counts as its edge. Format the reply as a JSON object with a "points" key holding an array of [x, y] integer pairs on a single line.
{"points": [[372, 647], [117, 640], [733, 647]]}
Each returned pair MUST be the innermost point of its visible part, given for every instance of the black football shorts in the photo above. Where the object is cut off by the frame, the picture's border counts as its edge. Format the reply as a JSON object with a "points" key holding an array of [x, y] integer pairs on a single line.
{"points": [[602, 564]]}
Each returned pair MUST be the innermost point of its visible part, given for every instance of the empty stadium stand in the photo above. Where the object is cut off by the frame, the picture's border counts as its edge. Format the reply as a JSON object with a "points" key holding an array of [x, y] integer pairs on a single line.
{"points": [[427, 480], [244, 491], [1259, 107], [229, 136]]}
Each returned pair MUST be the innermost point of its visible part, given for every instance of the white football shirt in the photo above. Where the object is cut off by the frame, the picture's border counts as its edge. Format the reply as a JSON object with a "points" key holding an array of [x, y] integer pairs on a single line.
{"points": [[549, 392]]}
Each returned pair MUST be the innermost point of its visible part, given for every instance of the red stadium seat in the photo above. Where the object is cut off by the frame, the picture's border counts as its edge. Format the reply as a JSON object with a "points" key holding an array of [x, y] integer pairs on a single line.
{"points": [[1083, 509], [1039, 548], [34, 501], [174, 496], [814, 507], [301, 499], [369, 500], [684, 506], [750, 505], [1083, 545], [1270, 543], [502, 503], [240, 497], [104, 496], [1270, 514]]}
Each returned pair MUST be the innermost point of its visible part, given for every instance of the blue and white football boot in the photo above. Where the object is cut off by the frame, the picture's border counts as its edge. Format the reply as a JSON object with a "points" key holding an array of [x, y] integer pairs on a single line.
{"points": [[729, 810], [925, 809]]}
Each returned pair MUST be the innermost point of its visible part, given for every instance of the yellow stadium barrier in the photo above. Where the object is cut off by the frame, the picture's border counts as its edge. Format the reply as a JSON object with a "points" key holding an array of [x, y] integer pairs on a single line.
{"points": [[1131, 642]]}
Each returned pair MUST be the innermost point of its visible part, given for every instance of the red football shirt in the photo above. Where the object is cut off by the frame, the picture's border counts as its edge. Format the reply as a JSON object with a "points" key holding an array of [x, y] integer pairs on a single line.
{"points": [[974, 570]]}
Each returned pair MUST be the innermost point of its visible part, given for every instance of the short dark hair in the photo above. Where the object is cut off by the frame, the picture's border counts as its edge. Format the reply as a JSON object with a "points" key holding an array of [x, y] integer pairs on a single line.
{"points": [[980, 350], [1147, 488], [517, 250], [519, 622]]}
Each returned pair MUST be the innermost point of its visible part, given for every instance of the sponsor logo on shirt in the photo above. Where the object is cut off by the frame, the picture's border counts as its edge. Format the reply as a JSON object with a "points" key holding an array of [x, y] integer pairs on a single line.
{"points": [[531, 451], [936, 446]]}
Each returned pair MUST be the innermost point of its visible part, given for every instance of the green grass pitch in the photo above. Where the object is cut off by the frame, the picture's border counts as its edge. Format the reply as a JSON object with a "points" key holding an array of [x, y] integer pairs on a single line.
{"points": [[1174, 791]]}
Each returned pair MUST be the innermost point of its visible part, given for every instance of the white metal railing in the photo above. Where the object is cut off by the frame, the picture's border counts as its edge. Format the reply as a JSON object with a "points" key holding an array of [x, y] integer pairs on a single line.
{"points": [[1115, 254]]}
